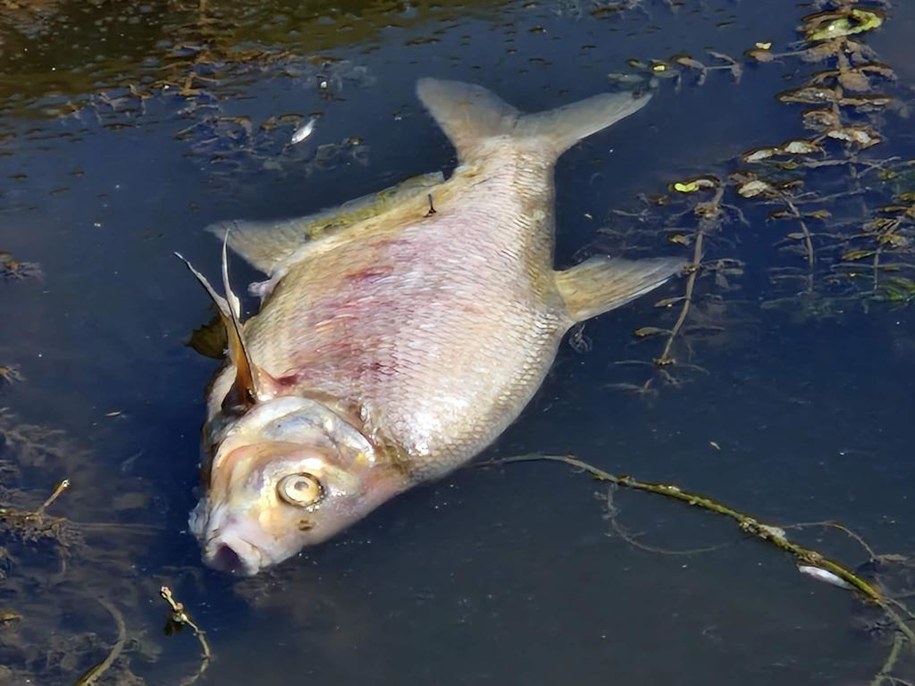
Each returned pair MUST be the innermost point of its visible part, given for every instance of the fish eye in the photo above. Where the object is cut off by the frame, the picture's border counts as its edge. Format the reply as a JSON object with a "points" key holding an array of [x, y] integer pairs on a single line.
{"points": [[300, 489]]}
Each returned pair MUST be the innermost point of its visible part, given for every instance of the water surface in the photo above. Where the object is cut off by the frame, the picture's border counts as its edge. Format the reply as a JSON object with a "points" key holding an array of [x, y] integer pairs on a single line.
{"points": [[128, 127]]}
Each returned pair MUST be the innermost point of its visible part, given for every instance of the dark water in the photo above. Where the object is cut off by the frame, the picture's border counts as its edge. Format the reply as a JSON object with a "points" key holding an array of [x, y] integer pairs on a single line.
{"points": [[495, 576]]}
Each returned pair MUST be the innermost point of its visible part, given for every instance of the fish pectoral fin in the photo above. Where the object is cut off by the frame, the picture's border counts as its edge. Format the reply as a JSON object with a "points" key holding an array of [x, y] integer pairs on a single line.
{"points": [[246, 388], [602, 283], [265, 245]]}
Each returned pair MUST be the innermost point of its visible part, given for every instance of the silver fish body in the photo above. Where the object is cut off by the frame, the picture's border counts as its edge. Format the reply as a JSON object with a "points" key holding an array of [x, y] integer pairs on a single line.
{"points": [[399, 336]]}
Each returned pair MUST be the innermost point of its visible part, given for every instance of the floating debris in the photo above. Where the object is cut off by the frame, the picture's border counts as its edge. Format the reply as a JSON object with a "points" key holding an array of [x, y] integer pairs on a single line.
{"points": [[9, 374], [14, 269]]}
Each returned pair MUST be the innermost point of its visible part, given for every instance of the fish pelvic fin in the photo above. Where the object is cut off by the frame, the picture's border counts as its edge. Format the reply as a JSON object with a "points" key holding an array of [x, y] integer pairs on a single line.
{"points": [[602, 283], [469, 115], [247, 387]]}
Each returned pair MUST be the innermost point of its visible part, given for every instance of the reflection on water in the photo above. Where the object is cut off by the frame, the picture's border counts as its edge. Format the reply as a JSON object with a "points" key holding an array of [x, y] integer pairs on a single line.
{"points": [[129, 127]]}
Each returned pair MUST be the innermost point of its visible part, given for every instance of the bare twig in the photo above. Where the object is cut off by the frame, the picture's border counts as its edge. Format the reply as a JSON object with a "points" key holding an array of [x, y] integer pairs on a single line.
{"points": [[179, 617], [58, 490]]}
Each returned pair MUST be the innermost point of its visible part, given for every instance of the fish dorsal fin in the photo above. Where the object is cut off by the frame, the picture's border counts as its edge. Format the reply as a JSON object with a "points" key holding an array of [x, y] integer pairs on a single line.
{"points": [[602, 283], [266, 244], [469, 115], [247, 376]]}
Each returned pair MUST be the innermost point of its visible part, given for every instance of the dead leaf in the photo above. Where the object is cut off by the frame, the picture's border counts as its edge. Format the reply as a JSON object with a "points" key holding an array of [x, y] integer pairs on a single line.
{"points": [[759, 154], [860, 135], [687, 61], [759, 55], [820, 119], [800, 147], [855, 255], [854, 81], [751, 189], [811, 95]]}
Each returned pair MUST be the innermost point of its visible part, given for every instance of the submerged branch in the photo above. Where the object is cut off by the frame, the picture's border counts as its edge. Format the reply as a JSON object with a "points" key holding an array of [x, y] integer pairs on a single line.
{"points": [[885, 673], [772, 534], [710, 210], [99, 670]]}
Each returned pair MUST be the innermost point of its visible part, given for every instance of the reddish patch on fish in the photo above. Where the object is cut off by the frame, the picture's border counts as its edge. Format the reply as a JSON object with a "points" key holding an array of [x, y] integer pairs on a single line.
{"points": [[370, 274]]}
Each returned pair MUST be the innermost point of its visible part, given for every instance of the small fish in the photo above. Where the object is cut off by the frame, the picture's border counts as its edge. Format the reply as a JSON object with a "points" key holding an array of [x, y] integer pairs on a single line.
{"points": [[394, 343], [304, 131], [824, 575]]}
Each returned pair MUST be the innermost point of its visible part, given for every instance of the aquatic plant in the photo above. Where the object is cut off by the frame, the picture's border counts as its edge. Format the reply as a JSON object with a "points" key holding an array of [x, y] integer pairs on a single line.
{"points": [[847, 216], [896, 615]]}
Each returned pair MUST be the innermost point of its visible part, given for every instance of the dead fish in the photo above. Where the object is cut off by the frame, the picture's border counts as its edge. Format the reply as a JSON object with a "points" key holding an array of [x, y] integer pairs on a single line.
{"points": [[303, 132], [397, 338], [824, 575]]}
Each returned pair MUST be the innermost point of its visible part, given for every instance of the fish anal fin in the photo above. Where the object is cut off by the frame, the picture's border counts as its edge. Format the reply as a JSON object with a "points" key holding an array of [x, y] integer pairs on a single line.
{"points": [[602, 283]]}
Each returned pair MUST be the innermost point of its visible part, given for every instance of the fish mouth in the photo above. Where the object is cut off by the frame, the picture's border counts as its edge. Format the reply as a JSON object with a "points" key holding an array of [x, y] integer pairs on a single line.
{"points": [[228, 552]]}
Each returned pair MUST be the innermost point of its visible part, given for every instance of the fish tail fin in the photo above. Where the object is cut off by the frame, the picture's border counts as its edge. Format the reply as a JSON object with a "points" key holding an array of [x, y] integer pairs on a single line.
{"points": [[563, 127], [469, 115]]}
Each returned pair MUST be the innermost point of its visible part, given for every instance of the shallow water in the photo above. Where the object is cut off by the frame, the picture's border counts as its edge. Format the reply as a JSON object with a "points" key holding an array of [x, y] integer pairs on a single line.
{"points": [[502, 575]]}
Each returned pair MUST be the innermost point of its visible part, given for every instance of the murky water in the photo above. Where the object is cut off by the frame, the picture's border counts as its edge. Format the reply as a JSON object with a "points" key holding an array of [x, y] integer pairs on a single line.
{"points": [[126, 130]]}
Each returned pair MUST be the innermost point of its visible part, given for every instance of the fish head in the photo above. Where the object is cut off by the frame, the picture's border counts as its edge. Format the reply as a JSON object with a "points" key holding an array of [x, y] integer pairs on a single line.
{"points": [[269, 497]]}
